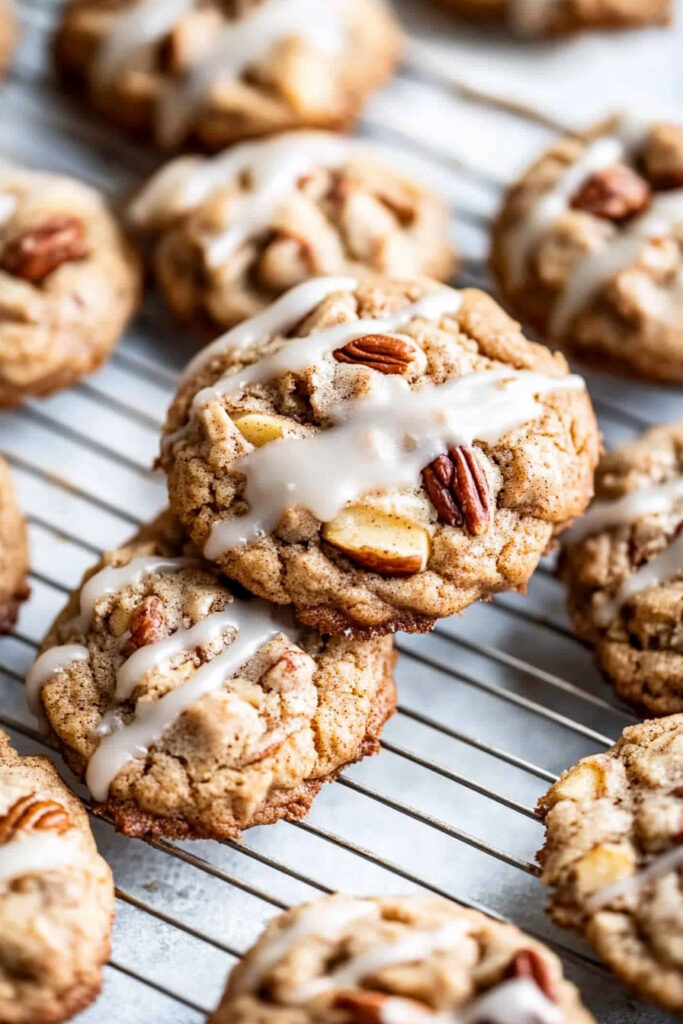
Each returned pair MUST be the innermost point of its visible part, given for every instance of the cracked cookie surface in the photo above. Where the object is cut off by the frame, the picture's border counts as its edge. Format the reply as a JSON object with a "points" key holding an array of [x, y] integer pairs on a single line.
{"points": [[588, 248], [192, 712], [235, 231], [613, 856], [336, 469], [213, 73], [621, 564], [56, 896], [13, 552], [69, 281], [413, 958]]}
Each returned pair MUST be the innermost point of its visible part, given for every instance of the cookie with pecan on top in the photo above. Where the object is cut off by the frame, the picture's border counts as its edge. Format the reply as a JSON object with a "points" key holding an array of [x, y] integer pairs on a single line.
{"points": [[69, 282], [56, 896], [378, 454], [194, 712], [13, 552], [411, 958], [588, 247]]}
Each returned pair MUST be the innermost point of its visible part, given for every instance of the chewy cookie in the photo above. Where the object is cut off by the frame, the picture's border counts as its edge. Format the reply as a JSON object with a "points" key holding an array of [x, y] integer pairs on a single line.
{"points": [[237, 230], [69, 281], [613, 855], [401, 960], [56, 896], [193, 712], [559, 17], [13, 552], [587, 248], [623, 566], [212, 72], [323, 453]]}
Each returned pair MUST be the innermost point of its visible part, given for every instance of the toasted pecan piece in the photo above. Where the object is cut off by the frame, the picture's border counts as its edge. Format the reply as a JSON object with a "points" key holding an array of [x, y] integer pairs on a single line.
{"points": [[382, 352], [33, 254], [459, 491], [29, 814], [615, 193]]}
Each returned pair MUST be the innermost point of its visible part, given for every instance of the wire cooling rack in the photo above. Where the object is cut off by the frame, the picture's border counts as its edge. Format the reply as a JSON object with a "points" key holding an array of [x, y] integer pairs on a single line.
{"points": [[492, 706]]}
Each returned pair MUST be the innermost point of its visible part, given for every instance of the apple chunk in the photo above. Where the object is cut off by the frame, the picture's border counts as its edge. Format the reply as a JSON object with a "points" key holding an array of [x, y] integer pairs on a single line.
{"points": [[379, 541], [260, 428]]}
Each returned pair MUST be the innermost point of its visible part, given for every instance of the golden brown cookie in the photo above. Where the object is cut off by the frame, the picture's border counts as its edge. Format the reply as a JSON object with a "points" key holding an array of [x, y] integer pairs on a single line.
{"points": [[623, 566], [414, 959], [613, 856], [587, 248], [378, 454], [215, 72], [13, 552], [193, 712], [8, 33], [559, 17], [56, 896], [69, 282], [235, 231]]}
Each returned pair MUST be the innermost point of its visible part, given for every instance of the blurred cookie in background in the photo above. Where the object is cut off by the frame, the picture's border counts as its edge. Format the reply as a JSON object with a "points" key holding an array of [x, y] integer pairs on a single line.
{"points": [[588, 248], [559, 17], [13, 552], [212, 73]]}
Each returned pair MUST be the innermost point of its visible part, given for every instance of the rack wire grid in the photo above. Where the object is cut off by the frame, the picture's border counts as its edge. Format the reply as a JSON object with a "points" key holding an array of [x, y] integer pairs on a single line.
{"points": [[493, 705]]}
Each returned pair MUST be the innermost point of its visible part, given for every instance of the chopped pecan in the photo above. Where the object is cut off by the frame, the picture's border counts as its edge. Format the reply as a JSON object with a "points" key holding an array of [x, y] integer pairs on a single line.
{"points": [[459, 490], [527, 963], [381, 352], [367, 1007], [615, 193], [36, 252], [32, 815], [147, 625]]}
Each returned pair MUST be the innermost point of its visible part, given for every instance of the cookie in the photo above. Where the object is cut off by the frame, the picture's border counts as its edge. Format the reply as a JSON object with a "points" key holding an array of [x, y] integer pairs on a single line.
{"points": [[13, 552], [587, 248], [235, 231], [192, 712], [613, 853], [623, 567], [8, 33], [212, 73], [373, 509], [413, 959], [56, 896], [559, 17], [69, 281]]}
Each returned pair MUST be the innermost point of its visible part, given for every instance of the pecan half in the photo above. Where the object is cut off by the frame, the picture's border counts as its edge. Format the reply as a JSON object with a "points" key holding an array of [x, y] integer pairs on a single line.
{"points": [[36, 252], [32, 815], [527, 963], [459, 491], [380, 352], [615, 193], [367, 1007], [147, 625]]}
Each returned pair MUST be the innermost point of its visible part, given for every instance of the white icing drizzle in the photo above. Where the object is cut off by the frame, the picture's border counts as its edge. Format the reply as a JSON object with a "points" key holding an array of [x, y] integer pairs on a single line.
{"points": [[8, 206], [48, 664], [644, 501], [254, 623], [153, 656], [32, 853], [274, 166], [414, 946], [112, 578], [237, 46], [279, 318], [667, 564], [299, 353], [603, 264], [552, 205], [660, 866], [380, 442], [517, 1001], [144, 24], [325, 920]]}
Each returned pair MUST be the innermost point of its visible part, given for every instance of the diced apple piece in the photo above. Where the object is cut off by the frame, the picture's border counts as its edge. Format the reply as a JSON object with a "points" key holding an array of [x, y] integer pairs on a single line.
{"points": [[604, 866], [379, 541], [584, 782], [260, 428]]}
